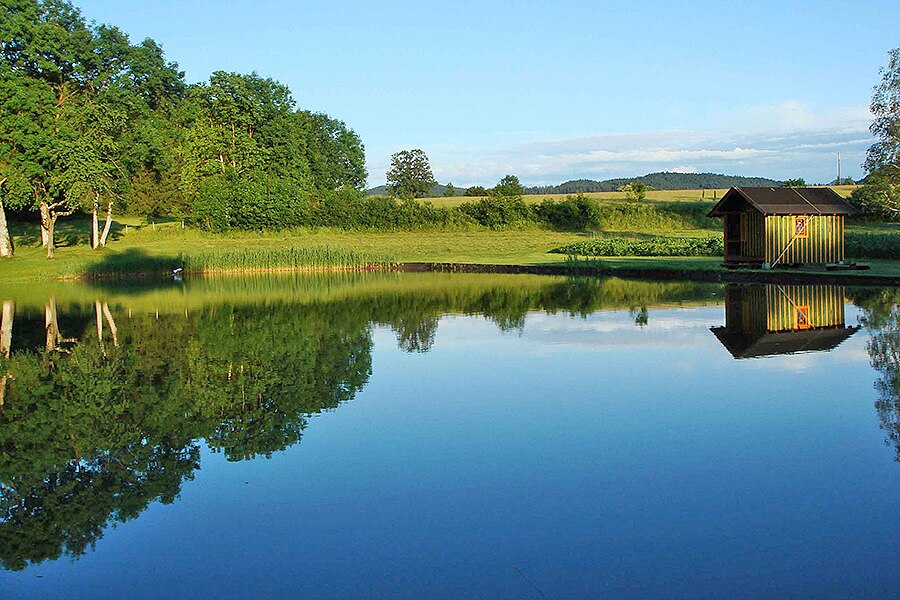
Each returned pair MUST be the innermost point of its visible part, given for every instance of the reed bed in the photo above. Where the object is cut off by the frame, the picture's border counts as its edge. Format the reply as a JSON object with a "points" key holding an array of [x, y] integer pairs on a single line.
{"points": [[283, 259]]}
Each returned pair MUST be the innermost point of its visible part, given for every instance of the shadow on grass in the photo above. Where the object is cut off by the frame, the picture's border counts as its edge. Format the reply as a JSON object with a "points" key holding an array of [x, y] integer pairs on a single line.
{"points": [[132, 264], [72, 231]]}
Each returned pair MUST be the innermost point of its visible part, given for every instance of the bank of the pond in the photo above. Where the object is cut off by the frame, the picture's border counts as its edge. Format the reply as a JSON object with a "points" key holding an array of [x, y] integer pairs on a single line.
{"points": [[660, 272], [148, 253], [655, 269]]}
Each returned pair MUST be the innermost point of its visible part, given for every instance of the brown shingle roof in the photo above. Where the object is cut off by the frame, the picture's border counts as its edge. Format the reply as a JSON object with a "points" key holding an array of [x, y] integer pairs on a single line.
{"points": [[786, 201], [744, 345]]}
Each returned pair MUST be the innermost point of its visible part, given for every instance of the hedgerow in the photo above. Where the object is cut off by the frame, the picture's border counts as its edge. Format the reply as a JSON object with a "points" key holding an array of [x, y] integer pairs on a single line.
{"points": [[271, 203]]}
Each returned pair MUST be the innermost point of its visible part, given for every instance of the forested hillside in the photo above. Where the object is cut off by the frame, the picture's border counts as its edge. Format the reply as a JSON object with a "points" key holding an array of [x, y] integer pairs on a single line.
{"points": [[91, 121], [658, 181]]}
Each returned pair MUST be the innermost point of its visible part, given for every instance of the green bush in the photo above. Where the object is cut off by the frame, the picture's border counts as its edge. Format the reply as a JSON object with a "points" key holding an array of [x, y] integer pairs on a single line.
{"points": [[872, 245], [348, 209], [261, 202], [499, 212], [647, 217], [656, 246], [573, 212], [878, 198]]}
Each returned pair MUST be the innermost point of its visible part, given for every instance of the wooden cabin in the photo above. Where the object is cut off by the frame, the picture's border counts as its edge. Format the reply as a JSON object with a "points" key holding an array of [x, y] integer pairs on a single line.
{"points": [[765, 320], [770, 227]]}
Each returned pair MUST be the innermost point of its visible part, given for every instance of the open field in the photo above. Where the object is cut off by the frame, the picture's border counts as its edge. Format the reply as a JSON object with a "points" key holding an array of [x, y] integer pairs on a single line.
{"points": [[653, 196]]}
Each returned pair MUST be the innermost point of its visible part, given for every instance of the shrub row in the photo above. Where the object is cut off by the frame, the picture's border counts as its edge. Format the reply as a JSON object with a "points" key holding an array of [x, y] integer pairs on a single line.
{"points": [[267, 202], [656, 246]]}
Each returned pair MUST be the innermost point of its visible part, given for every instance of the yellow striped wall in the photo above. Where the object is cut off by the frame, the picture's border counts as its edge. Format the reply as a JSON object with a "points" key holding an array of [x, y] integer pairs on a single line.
{"points": [[825, 302], [824, 243]]}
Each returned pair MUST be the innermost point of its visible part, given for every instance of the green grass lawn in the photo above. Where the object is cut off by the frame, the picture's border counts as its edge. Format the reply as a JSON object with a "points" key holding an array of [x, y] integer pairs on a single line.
{"points": [[169, 240]]}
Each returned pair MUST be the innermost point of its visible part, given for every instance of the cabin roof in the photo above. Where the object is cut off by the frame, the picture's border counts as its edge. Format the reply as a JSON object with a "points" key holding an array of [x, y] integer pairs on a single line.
{"points": [[784, 201], [742, 345]]}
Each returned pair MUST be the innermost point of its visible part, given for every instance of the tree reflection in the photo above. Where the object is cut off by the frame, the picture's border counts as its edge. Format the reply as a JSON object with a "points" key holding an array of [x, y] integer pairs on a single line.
{"points": [[416, 335], [104, 410], [881, 317]]}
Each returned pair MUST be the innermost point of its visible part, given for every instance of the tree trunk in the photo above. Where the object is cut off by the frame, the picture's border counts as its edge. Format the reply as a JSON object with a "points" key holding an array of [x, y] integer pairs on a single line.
{"points": [[112, 324], [98, 311], [6, 325], [6, 248], [108, 225], [45, 224], [95, 227], [51, 324], [51, 225]]}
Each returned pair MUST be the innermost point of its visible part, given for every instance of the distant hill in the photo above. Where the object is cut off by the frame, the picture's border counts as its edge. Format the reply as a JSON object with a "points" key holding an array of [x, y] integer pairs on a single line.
{"points": [[659, 181]]}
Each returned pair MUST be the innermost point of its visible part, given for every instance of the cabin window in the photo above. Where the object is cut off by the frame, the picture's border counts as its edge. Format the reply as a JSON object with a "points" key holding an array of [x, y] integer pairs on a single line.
{"points": [[803, 317], [801, 224]]}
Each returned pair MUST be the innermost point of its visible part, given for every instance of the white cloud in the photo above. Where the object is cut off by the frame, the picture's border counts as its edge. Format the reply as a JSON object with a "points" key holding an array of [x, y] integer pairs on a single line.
{"points": [[789, 139]]}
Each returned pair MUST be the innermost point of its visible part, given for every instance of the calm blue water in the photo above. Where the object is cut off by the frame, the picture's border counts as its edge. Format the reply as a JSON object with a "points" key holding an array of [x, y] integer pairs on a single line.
{"points": [[413, 438]]}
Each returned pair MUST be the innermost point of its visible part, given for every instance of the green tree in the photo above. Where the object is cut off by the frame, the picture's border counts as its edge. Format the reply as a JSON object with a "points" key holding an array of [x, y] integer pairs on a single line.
{"points": [[56, 74], [885, 153], [410, 174], [508, 187], [635, 190], [798, 182], [88, 165], [476, 191], [232, 109], [880, 195], [46, 63], [335, 153], [449, 191]]}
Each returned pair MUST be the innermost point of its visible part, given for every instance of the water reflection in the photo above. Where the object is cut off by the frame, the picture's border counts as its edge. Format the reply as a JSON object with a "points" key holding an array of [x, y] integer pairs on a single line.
{"points": [[766, 320], [105, 411], [107, 397], [881, 317]]}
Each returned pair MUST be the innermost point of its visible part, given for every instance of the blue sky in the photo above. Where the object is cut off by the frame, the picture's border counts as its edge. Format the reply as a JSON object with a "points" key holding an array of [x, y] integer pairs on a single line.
{"points": [[556, 91]]}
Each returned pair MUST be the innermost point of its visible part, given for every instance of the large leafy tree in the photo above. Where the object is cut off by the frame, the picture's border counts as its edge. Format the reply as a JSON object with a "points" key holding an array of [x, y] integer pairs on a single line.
{"points": [[57, 74], [232, 110], [885, 153], [410, 174], [335, 152], [881, 194], [45, 61]]}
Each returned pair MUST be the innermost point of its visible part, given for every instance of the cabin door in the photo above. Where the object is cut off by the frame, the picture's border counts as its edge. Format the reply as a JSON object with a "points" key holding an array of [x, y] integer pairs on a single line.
{"points": [[733, 236]]}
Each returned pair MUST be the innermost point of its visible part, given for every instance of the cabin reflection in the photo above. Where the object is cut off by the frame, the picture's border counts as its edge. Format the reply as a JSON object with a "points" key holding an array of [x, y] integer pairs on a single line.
{"points": [[771, 319]]}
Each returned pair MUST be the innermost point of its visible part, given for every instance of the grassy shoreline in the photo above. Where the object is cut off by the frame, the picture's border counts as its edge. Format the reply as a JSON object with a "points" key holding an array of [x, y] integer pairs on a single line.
{"points": [[139, 249]]}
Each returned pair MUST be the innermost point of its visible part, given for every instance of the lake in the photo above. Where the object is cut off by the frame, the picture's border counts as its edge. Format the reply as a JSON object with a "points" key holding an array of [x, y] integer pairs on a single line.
{"points": [[390, 435]]}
